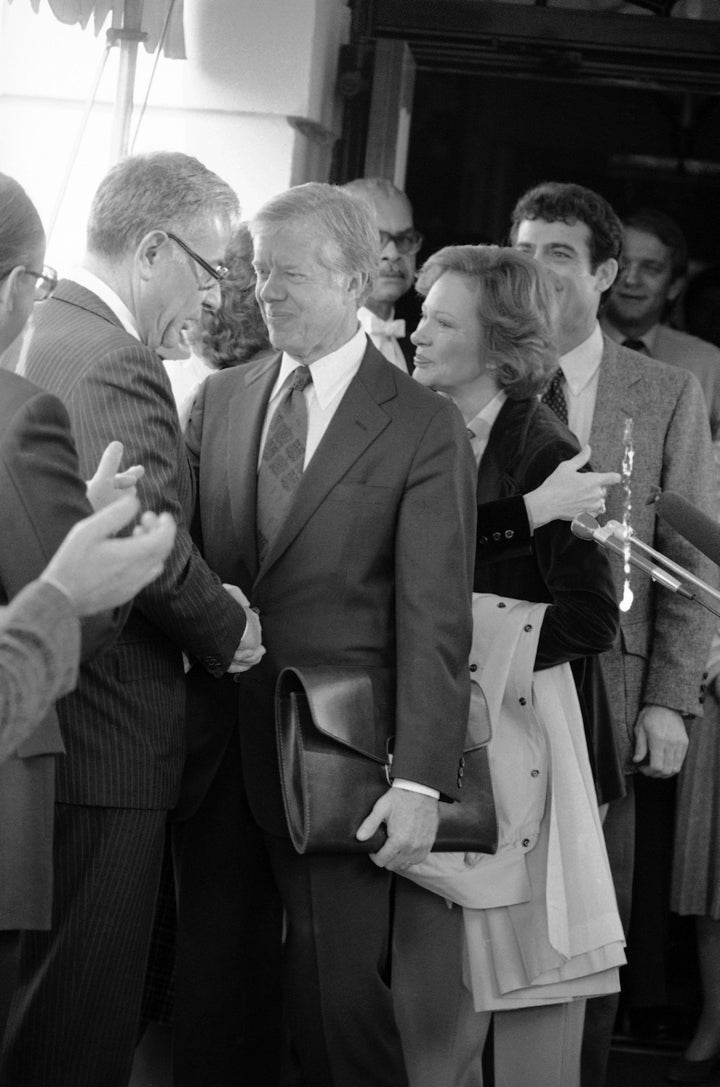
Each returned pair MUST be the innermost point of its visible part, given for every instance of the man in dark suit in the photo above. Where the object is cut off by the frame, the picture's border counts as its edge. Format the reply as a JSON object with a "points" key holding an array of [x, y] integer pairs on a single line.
{"points": [[371, 564], [156, 236], [654, 673], [399, 244]]}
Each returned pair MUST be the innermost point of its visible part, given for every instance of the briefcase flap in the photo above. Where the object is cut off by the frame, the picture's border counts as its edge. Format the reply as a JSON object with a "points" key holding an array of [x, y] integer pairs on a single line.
{"points": [[353, 706]]}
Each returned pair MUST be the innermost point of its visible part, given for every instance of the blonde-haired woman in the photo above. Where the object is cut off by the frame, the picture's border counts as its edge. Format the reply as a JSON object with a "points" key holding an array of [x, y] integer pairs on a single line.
{"points": [[527, 934]]}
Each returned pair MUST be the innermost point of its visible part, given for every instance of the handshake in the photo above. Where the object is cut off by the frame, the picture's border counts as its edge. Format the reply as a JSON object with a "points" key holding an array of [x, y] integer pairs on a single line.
{"points": [[97, 572]]}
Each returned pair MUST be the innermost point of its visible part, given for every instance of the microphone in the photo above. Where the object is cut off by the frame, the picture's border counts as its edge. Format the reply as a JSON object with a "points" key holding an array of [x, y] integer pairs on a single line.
{"points": [[697, 528], [586, 527]]}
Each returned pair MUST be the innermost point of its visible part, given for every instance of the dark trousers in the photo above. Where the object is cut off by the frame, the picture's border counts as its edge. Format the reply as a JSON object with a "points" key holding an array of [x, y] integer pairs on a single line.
{"points": [[338, 1005], [600, 1012], [74, 1018], [9, 961], [227, 1026]]}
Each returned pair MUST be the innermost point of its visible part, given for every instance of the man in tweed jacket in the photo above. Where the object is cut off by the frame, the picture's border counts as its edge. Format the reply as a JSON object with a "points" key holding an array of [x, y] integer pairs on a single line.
{"points": [[654, 673], [157, 232]]}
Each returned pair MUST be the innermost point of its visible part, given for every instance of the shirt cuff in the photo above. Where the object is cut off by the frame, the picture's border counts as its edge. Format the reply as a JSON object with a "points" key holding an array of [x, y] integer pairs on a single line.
{"points": [[50, 580], [529, 515], [415, 787]]}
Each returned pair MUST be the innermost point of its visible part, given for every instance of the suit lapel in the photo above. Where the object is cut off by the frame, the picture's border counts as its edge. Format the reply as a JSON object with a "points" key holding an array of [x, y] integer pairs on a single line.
{"points": [[245, 422], [501, 453], [615, 402], [358, 421]]}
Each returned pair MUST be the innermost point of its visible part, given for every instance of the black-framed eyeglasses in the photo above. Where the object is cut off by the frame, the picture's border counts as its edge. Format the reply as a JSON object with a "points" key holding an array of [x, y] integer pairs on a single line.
{"points": [[218, 274], [45, 282], [407, 241]]}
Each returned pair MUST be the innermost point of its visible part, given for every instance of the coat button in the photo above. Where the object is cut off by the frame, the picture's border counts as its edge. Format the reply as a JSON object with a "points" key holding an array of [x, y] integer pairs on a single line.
{"points": [[473, 667], [522, 701], [534, 773], [701, 698], [482, 539], [526, 842], [459, 782], [496, 536], [527, 627], [501, 604], [509, 534], [705, 675]]}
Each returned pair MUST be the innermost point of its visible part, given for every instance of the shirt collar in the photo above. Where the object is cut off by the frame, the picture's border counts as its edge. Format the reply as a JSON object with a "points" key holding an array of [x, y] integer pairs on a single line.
{"points": [[582, 363], [107, 295], [486, 416], [331, 372], [648, 338]]}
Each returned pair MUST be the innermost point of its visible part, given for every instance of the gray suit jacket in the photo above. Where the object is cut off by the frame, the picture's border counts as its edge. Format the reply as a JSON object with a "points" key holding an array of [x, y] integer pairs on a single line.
{"points": [[664, 639], [373, 565]]}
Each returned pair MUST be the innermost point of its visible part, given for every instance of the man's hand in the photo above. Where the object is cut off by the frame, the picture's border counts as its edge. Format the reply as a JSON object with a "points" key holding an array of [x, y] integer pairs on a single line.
{"points": [[107, 483], [568, 492], [96, 571], [251, 649], [661, 738], [411, 820]]}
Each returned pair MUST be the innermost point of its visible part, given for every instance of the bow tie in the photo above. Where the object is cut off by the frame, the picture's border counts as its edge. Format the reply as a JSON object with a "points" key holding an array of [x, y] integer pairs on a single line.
{"points": [[392, 329]]}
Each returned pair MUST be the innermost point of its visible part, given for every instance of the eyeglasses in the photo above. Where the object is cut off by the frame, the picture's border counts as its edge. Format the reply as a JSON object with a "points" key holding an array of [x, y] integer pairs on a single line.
{"points": [[45, 282], [218, 274], [408, 241]]}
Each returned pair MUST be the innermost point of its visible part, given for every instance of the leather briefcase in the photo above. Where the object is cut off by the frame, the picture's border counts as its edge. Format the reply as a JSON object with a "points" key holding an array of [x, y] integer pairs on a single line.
{"points": [[335, 751]]}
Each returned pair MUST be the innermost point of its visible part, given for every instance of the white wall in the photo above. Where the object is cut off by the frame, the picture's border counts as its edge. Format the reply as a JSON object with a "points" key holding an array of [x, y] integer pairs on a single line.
{"points": [[251, 66]]}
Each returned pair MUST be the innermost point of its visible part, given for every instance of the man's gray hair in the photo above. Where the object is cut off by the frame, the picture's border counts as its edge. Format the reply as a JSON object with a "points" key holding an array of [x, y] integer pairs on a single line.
{"points": [[344, 222], [368, 187], [163, 190]]}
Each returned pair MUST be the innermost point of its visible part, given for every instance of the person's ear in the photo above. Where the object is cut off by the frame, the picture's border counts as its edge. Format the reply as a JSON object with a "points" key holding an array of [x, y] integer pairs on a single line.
{"points": [[357, 284], [147, 253], [675, 288], [606, 274], [9, 287]]}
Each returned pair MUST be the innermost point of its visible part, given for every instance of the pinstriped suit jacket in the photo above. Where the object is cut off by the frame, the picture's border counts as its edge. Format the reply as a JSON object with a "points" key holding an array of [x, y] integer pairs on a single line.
{"points": [[123, 726]]}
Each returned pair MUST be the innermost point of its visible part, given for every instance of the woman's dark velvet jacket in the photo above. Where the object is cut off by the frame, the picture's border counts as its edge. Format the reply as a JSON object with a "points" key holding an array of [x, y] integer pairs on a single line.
{"points": [[573, 576]]}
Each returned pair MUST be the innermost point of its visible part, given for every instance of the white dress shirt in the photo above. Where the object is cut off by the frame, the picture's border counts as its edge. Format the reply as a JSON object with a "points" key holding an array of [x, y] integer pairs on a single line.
{"points": [[331, 376], [107, 295], [480, 426], [384, 336], [581, 370]]}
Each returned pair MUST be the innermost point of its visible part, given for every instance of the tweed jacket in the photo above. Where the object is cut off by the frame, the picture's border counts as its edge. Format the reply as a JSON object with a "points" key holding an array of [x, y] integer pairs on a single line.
{"points": [[664, 641]]}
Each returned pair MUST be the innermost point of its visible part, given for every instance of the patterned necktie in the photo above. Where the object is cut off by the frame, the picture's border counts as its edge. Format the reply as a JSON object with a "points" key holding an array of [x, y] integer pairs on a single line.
{"points": [[281, 464], [636, 345], [554, 396]]}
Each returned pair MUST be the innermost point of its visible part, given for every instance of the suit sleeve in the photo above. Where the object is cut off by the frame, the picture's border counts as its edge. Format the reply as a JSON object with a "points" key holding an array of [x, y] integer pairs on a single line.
{"points": [[503, 530], [43, 496], [682, 629], [583, 617], [127, 396], [435, 544], [39, 655]]}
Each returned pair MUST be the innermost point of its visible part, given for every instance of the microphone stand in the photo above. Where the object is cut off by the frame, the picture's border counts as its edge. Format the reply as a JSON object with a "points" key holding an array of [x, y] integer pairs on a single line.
{"points": [[626, 535]]}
